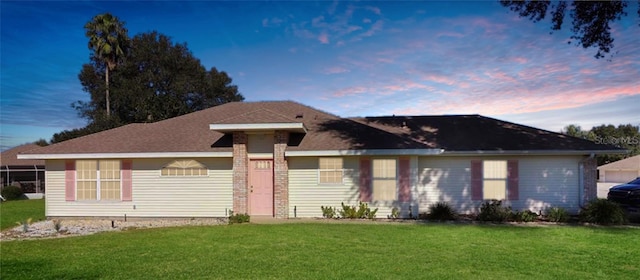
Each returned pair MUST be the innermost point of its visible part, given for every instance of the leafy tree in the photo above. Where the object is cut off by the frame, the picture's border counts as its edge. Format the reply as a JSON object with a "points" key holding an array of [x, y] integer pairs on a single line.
{"points": [[41, 142], [625, 136], [108, 41], [590, 20], [576, 131], [157, 80]]}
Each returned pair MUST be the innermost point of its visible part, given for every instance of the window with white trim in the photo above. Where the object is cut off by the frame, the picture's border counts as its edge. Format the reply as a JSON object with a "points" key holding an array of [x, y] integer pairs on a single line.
{"points": [[494, 179], [330, 170], [184, 167], [98, 180], [384, 179]]}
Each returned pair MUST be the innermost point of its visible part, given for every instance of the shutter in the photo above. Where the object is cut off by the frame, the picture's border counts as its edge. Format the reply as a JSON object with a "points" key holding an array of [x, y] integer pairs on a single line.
{"points": [[405, 180], [126, 180], [70, 180], [365, 180], [512, 180], [476, 180]]}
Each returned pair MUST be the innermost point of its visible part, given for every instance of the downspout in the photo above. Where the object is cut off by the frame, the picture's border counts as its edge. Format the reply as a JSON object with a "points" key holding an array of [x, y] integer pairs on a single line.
{"points": [[581, 180]]}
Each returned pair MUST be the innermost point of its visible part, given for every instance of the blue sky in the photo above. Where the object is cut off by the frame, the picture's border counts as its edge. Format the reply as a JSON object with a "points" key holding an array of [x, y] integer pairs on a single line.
{"points": [[347, 58]]}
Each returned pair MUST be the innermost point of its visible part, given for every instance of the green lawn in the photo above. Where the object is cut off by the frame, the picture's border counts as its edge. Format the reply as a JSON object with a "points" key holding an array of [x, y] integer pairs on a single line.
{"points": [[20, 210], [332, 251]]}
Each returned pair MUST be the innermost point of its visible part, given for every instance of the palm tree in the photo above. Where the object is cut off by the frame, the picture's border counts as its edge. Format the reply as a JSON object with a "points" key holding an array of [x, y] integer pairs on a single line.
{"points": [[109, 42]]}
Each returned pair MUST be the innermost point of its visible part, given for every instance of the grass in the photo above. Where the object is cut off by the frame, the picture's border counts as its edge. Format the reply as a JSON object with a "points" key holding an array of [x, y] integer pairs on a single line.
{"points": [[332, 251], [20, 210]]}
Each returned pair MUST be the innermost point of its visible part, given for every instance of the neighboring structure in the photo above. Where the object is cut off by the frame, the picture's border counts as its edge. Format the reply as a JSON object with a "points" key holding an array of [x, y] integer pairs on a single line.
{"points": [[285, 159], [25, 173], [616, 173]]}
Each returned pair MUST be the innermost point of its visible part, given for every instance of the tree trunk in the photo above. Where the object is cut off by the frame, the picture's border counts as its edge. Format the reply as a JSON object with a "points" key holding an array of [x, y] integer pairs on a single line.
{"points": [[107, 92]]}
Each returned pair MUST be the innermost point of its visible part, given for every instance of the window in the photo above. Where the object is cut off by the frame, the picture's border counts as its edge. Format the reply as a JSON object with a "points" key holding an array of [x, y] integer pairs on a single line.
{"points": [[109, 180], [330, 171], [98, 180], [494, 176], [87, 179], [384, 179], [185, 167]]}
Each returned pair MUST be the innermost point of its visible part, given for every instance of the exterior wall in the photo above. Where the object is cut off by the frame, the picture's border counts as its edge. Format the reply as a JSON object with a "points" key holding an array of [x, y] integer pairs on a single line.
{"points": [[590, 179], [615, 176], [306, 194], [260, 145], [153, 195], [240, 173], [280, 175], [544, 181]]}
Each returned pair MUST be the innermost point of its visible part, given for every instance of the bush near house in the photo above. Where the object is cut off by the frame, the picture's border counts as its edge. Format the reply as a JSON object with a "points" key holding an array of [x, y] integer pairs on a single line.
{"points": [[603, 212], [558, 215], [357, 212], [12, 193], [492, 211], [441, 211], [238, 218]]}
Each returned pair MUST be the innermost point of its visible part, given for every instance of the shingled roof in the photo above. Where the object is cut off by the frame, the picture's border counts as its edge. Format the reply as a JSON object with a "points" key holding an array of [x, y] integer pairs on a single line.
{"points": [[10, 157], [462, 133], [191, 133]]}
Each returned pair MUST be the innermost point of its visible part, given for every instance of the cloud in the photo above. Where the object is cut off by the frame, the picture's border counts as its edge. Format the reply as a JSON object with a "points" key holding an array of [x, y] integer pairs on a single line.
{"points": [[341, 27], [335, 70], [323, 38], [350, 91], [272, 22]]}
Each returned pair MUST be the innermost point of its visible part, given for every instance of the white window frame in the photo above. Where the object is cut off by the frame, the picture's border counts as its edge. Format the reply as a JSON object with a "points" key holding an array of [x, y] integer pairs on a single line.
{"points": [[386, 179], [320, 170], [499, 176], [98, 181], [200, 164]]}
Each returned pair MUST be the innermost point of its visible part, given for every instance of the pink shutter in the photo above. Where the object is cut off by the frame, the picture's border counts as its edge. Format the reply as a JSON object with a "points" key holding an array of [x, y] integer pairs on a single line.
{"points": [[126, 180], [476, 180], [70, 180], [512, 180], [405, 180], [365, 180]]}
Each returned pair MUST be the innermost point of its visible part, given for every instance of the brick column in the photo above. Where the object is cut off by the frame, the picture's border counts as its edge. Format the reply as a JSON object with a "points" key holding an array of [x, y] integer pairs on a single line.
{"points": [[240, 173], [280, 175], [589, 179]]}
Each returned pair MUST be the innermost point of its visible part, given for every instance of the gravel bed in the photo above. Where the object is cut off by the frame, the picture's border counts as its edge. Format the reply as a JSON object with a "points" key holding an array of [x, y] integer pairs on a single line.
{"points": [[67, 228]]}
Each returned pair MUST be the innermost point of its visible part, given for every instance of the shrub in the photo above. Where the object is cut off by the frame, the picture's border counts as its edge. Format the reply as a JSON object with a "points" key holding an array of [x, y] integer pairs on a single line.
{"points": [[558, 215], [238, 218], [604, 212], [492, 211], [441, 211], [57, 225], [328, 212], [395, 213], [524, 216], [357, 212], [25, 224], [12, 193]]}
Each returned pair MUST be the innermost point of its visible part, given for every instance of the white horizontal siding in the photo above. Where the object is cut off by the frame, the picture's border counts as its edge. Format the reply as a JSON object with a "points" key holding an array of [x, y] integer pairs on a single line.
{"points": [[153, 195], [544, 181], [307, 195], [549, 182]]}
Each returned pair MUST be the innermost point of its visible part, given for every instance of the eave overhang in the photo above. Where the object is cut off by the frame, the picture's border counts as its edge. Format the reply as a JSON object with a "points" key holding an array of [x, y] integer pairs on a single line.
{"points": [[128, 155], [258, 127]]}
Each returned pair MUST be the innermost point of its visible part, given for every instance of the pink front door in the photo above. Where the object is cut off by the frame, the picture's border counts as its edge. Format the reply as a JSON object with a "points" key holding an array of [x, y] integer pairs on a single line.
{"points": [[261, 187]]}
